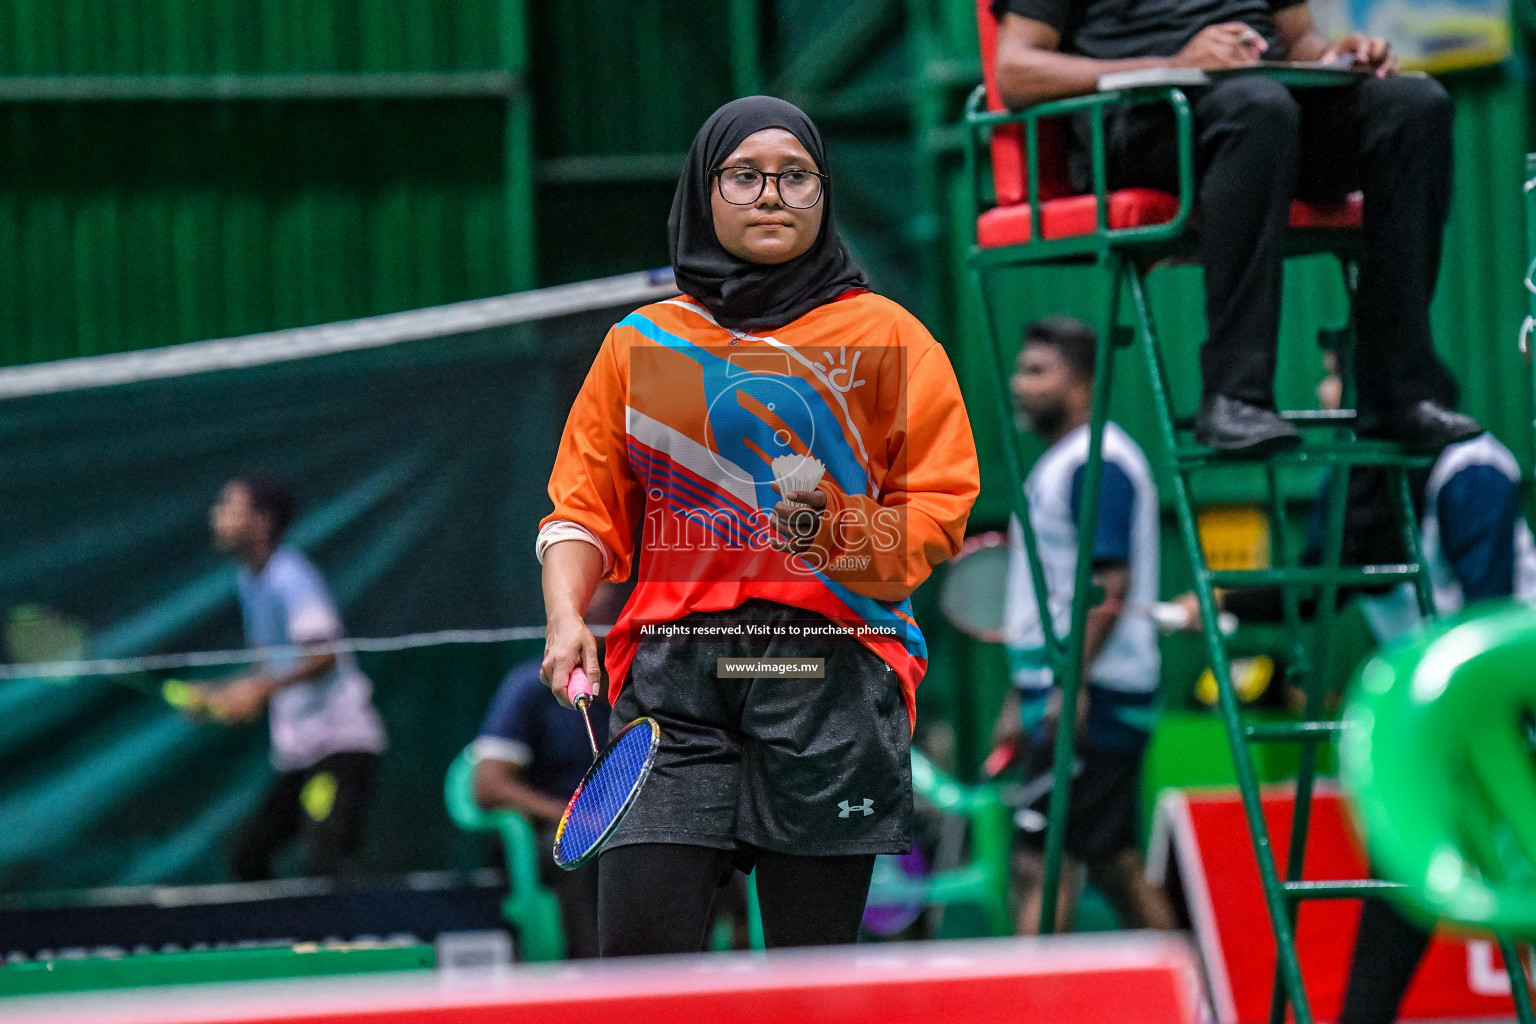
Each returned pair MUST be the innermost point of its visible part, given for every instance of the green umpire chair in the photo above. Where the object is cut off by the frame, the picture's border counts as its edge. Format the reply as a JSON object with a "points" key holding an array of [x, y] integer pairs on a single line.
{"points": [[531, 907]]}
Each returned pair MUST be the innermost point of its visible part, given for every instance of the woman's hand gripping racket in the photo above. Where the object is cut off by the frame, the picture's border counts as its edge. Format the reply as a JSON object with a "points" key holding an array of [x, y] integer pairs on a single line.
{"points": [[609, 789]]}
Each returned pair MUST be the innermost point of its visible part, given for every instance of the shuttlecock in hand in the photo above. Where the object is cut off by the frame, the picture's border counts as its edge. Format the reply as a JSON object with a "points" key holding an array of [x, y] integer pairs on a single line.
{"points": [[797, 473]]}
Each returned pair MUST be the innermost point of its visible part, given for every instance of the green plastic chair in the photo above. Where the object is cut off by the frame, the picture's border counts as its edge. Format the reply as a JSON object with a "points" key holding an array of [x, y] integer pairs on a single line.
{"points": [[1437, 760], [983, 880], [531, 907]]}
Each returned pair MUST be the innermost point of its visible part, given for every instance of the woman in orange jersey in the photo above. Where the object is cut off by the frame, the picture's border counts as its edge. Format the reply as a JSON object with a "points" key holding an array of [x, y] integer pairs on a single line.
{"points": [[770, 633]]}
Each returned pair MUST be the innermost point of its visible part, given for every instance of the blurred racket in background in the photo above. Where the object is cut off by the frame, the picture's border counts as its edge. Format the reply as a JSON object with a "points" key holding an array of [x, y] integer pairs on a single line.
{"points": [[975, 588], [973, 597]]}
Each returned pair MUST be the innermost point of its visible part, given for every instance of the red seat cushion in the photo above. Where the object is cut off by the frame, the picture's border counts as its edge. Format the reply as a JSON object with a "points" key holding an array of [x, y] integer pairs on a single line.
{"points": [[1131, 208], [1074, 215]]}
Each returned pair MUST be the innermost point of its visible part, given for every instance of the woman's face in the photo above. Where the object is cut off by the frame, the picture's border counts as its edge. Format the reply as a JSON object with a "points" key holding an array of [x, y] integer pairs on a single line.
{"points": [[766, 231]]}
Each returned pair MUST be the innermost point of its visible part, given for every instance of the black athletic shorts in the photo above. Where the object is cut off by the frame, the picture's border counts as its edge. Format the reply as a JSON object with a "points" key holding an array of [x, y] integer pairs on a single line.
{"points": [[815, 767], [1104, 818]]}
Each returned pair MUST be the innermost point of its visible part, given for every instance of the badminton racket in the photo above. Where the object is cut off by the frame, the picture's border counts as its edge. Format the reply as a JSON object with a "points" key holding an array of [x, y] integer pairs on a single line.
{"points": [[973, 594], [610, 787]]}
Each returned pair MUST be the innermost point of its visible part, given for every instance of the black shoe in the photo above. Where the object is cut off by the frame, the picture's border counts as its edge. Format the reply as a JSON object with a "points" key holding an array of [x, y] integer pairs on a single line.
{"points": [[1425, 426], [1232, 425]]}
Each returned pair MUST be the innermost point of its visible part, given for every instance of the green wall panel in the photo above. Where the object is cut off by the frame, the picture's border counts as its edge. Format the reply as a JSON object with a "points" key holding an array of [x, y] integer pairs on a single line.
{"points": [[628, 78], [138, 224], [181, 223], [99, 37]]}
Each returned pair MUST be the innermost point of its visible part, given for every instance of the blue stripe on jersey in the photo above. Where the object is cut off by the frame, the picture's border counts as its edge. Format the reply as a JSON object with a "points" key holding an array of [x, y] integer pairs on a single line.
{"points": [[881, 613], [661, 474]]}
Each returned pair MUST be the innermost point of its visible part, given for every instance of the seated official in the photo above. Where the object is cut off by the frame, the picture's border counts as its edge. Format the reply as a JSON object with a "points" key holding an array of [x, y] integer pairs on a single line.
{"points": [[1258, 146], [530, 756]]}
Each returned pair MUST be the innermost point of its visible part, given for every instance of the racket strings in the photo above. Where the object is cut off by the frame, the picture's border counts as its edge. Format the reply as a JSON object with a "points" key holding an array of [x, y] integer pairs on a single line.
{"points": [[606, 792]]}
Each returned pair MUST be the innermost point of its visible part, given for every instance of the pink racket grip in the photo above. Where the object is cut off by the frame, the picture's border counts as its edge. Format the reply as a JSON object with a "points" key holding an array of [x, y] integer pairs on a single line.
{"points": [[579, 687]]}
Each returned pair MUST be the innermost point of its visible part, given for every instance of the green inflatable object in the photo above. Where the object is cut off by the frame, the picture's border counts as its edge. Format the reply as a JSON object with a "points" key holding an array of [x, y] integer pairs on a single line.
{"points": [[1437, 760]]}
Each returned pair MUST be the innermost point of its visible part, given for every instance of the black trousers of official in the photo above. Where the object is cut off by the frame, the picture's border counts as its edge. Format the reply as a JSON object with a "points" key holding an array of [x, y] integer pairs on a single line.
{"points": [[1259, 145], [1388, 949], [331, 842]]}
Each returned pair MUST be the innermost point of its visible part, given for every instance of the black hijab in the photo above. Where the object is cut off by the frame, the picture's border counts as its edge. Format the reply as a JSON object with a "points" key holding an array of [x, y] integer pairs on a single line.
{"points": [[741, 294]]}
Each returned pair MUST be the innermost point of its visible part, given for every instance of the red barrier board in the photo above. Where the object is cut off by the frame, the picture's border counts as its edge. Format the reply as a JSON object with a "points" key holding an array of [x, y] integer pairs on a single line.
{"points": [[1129, 979], [1205, 836]]}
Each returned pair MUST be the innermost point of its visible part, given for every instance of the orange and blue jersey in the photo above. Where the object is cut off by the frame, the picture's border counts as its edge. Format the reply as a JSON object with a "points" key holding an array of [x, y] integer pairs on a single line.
{"points": [[667, 452]]}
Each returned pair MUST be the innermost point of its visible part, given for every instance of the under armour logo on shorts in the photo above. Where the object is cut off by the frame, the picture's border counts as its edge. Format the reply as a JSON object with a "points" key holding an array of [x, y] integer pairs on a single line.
{"points": [[866, 808]]}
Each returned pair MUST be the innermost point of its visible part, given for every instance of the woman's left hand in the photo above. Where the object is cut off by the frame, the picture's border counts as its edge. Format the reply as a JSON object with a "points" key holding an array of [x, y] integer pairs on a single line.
{"points": [[797, 519]]}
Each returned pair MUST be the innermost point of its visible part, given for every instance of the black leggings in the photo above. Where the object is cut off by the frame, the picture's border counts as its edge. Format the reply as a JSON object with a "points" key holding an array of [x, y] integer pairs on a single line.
{"points": [[656, 897]]}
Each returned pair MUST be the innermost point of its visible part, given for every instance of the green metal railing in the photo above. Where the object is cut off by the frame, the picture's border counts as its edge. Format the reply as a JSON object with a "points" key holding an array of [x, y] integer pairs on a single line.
{"points": [[1529, 325], [506, 84], [1065, 659], [531, 907], [1309, 662], [1097, 243]]}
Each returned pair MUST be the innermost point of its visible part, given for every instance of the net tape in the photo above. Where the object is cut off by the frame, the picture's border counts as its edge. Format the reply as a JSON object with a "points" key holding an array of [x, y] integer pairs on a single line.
{"points": [[327, 339], [250, 655]]}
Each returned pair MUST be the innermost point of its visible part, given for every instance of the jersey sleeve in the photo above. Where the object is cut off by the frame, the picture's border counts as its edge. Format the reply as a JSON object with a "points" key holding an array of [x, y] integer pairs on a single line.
{"points": [[311, 614], [1477, 509], [1117, 509], [891, 545], [508, 733], [1051, 12], [592, 483]]}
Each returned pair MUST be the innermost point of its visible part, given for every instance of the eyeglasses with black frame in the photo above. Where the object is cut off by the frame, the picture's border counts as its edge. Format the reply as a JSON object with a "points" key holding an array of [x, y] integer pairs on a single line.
{"points": [[743, 186]]}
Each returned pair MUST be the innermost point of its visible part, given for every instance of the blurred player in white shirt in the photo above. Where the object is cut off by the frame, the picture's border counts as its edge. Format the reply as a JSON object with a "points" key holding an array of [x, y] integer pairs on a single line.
{"points": [[326, 734]]}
